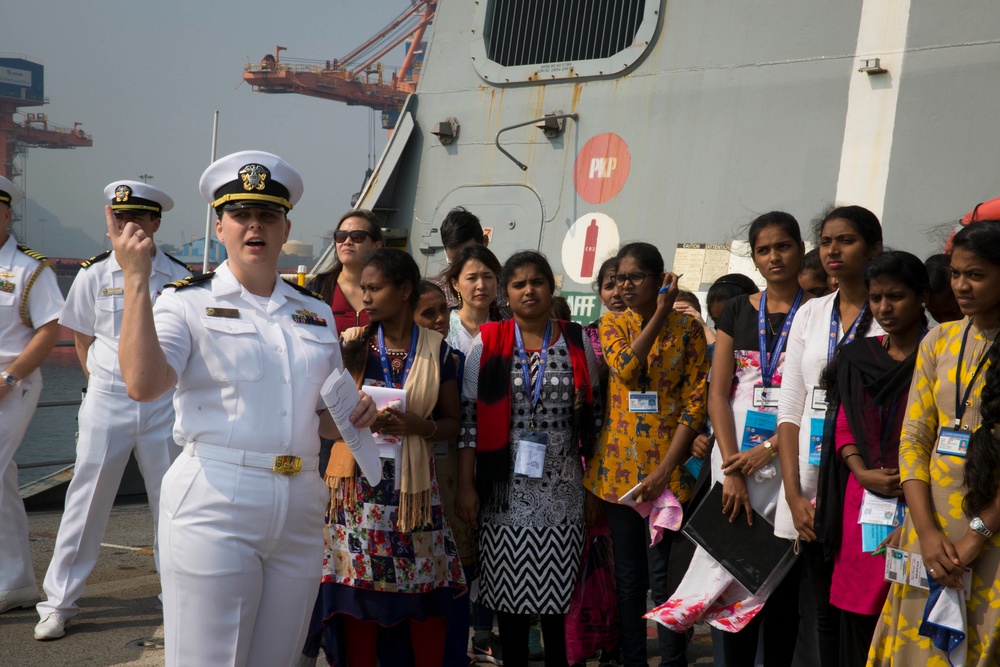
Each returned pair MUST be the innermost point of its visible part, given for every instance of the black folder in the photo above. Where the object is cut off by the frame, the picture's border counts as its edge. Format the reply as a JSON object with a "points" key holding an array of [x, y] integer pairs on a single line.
{"points": [[749, 553]]}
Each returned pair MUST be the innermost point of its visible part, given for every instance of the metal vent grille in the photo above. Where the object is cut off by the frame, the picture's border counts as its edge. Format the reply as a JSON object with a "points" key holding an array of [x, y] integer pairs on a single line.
{"points": [[535, 32]]}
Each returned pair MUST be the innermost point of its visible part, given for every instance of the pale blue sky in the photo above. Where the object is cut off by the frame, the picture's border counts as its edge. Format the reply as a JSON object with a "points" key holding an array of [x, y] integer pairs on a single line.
{"points": [[144, 78]]}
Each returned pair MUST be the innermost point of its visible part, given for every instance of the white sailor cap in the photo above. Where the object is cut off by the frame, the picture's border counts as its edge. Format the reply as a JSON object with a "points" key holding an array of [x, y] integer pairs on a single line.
{"points": [[10, 194], [251, 179], [137, 196]]}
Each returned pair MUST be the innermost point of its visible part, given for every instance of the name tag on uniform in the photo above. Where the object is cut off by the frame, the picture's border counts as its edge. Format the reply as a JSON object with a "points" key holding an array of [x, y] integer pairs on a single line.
{"points": [[819, 399], [112, 291], [530, 460], [232, 313], [643, 401], [816, 440], [953, 442], [765, 397]]}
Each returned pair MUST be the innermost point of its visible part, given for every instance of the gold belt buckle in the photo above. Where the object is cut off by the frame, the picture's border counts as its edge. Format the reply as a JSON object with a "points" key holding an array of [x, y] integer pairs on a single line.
{"points": [[287, 465]]}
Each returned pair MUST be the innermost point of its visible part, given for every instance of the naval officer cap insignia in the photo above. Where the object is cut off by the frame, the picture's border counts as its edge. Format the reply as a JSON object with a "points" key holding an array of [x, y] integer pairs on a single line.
{"points": [[10, 194], [251, 179], [137, 196]]}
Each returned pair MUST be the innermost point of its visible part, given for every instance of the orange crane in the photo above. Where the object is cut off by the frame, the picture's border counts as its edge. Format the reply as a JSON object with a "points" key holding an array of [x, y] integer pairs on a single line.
{"points": [[22, 85], [350, 79]]}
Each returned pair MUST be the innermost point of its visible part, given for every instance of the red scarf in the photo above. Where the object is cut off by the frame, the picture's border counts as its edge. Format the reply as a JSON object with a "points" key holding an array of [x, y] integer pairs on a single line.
{"points": [[493, 463]]}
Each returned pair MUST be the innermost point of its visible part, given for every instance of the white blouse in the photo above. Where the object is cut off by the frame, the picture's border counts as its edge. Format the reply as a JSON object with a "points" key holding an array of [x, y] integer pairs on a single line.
{"points": [[805, 360]]}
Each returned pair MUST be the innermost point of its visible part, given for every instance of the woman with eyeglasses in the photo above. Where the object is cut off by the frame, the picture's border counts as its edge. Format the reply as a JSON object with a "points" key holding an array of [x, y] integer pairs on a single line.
{"points": [[472, 278], [357, 235], [656, 391]]}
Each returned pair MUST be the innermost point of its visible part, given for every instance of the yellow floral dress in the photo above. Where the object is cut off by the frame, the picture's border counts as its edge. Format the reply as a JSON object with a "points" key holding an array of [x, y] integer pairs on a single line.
{"points": [[932, 399], [632, 444]]}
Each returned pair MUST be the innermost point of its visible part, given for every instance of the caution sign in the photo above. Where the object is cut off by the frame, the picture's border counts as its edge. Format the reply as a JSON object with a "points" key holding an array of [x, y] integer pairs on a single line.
{"points": [[601, 168], [590, 240]]}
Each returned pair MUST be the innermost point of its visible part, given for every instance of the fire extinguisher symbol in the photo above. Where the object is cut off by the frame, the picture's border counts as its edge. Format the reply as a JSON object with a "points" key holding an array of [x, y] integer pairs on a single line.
{"points": [[589, 250]]}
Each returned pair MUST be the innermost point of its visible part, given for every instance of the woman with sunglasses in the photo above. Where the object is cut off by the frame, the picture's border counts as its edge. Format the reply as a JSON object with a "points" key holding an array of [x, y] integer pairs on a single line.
{"points": [[357, 235], [656, 390]]}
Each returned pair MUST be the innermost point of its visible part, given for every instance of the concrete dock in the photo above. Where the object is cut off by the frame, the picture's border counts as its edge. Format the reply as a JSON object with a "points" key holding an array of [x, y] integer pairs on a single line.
{"points": [[120, 620]]}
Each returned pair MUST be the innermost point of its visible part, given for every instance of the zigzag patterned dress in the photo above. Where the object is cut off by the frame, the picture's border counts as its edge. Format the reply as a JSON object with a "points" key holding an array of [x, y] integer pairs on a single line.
{"points": [[530, 550]]}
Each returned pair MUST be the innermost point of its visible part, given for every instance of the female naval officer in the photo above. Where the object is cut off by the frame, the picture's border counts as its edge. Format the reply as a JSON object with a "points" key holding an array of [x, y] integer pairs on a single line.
{"points": [[241, 531]]}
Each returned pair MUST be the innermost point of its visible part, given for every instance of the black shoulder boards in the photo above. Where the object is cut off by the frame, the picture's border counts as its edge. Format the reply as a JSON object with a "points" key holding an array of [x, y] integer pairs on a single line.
{"points": [[303, 290], [96, 258], [31, 253], [192, 280], [176, 261]]}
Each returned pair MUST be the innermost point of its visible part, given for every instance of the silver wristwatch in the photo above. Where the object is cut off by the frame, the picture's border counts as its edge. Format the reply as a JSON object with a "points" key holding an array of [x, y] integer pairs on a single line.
{"points": [[9, 379], [977, 525]]}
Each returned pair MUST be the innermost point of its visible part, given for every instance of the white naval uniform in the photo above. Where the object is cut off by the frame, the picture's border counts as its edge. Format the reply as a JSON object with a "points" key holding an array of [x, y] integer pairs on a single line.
{"points": [[111, 427], [241, 546], [45, 301]]}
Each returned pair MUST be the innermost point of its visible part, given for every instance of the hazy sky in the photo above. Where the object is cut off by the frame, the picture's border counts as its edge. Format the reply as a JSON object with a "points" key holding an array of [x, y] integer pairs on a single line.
{"points": [[144, 78]]}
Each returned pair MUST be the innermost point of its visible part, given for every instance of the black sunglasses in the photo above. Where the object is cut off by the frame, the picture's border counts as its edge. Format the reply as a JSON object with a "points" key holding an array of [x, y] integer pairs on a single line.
{"points": [[356, 235]]}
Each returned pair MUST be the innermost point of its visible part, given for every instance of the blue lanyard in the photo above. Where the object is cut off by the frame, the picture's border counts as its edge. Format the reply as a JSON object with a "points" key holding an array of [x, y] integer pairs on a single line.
{"points": [[835, 329], [535, 394], [384, 358], [769, 362]]}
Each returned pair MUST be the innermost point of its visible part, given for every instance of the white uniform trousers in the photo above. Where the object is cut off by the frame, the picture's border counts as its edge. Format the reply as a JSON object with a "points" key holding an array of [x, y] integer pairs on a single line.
{"points": [[16, 410], [111, 427], [242, 554]]}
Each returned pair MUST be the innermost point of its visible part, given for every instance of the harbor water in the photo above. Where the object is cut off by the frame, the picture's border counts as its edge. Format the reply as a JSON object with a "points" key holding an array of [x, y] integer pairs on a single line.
{"points": [[51, 436]]}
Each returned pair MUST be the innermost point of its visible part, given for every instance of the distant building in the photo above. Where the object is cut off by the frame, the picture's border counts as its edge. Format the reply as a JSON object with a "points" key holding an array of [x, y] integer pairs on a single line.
{"points": [[193, 252], [297, 248]]}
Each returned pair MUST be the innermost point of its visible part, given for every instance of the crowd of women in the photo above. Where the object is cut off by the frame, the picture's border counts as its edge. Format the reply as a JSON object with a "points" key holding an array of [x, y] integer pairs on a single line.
{"points": [[836, 416]]}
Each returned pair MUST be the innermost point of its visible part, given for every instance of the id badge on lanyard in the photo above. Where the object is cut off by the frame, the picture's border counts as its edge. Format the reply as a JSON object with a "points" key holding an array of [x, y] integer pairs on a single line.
{"points": [[758, 428], [816, 440], [530, 460], [643, 401], [953, 442], [765, 397]]}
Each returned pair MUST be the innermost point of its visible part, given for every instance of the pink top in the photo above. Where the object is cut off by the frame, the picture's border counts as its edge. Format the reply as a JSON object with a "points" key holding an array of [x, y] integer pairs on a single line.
{"points": [[858, 584]]}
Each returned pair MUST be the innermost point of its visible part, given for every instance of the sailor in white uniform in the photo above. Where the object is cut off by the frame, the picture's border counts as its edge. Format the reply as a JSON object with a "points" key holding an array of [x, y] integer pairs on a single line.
{"points": [[30, 302], [242, 508], [112, 425]]}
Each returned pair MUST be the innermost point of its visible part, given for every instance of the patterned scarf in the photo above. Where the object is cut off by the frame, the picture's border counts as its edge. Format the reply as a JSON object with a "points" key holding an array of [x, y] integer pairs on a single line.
{"points": [[422, 388], [493, 462]]}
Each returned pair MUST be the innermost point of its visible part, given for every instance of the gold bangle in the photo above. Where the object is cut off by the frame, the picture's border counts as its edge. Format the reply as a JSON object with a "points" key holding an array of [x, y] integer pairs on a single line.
{"points": [[434, 424], [770, 448]]}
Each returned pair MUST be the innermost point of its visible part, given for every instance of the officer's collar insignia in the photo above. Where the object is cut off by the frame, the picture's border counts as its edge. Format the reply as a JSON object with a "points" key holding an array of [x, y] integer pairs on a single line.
{"points": [[122, 193], [254, 176]]}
